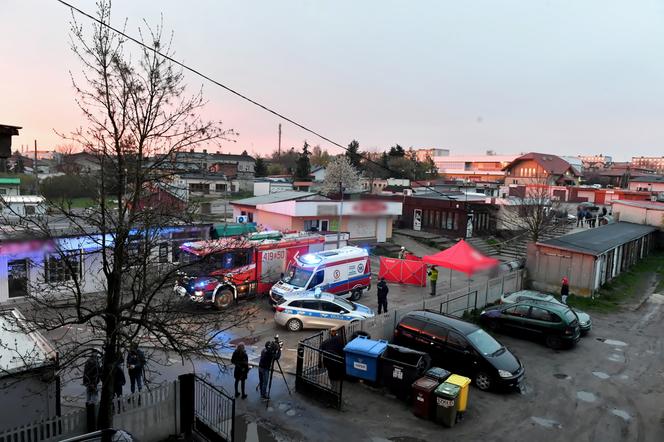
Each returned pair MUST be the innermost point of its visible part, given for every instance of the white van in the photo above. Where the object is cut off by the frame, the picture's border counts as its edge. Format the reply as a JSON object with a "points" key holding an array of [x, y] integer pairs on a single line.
{"points": [[340, 271]]}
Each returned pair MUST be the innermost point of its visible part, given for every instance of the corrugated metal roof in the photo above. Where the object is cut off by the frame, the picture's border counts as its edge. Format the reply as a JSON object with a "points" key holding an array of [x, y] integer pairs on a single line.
{"points": [[20, 350], [599, 240], [273, 198]]}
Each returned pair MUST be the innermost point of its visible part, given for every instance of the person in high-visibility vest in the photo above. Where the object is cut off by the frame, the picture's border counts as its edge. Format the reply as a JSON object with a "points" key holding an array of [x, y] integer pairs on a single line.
{"points": [[433, 279]]}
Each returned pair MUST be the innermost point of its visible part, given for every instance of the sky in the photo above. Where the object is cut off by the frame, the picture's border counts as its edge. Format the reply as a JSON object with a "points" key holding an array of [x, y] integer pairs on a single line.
{"points": [[558, 76]]}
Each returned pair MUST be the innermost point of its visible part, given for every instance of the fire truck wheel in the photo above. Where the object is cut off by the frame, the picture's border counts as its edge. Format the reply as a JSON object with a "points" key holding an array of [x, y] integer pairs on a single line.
{"points": [[294, 325], [223, 298], [355, 295]]}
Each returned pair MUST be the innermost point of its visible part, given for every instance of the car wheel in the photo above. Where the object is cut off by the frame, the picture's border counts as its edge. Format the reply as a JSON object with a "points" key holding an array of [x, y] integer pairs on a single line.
{"points": [[294, 325], [554, 342], [483, 381], [223, 299], [355, 295]]}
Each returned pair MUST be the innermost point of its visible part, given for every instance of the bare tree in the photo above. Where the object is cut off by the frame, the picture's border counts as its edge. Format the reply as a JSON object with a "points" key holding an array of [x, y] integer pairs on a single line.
{"points": [[340, 172], [137, 116], [534, 211]]}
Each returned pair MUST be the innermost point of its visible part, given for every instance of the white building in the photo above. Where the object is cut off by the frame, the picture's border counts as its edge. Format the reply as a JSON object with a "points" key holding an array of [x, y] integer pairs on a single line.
{"points": [[207, 184], [25, 205], [265, 187], [28, 368]]}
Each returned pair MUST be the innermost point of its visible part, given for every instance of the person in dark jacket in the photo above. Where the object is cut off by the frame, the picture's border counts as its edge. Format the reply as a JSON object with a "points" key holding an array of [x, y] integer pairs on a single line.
{"points": [[382, 291], [118, 378], [135, 366], [269, 354], [91, 375], [241, 362], [333, 357], [564, 290]]}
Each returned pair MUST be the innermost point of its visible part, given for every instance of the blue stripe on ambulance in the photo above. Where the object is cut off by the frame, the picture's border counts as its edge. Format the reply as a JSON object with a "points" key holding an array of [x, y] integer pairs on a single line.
{"points": [[345, 281]]}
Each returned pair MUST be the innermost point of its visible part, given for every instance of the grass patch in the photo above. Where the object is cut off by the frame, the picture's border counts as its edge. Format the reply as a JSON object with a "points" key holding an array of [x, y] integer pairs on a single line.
{"points": [[625, 287], [492, 241]]}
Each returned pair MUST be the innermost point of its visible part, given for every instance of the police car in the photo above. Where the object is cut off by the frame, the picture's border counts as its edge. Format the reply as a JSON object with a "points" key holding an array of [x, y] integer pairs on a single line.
{"points": [[316, 309]]}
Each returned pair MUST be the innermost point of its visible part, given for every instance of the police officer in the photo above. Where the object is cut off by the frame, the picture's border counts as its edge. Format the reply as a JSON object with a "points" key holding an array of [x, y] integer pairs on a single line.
{"points": [[433, 279], [382, 291]]}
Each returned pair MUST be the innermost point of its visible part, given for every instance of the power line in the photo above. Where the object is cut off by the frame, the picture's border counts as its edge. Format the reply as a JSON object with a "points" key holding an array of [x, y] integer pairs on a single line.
{"points": [[231, 90]]}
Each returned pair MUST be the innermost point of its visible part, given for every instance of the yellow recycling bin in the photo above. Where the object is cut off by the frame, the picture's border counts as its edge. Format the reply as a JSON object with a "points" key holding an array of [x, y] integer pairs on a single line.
{"points": [[464, 386]]}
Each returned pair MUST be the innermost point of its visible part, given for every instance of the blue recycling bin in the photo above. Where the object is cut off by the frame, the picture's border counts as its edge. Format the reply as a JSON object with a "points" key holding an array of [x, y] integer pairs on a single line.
{"points": [[362, 356]]}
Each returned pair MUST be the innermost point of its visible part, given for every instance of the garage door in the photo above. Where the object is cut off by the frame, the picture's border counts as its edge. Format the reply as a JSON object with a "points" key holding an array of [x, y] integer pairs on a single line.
{"points": [[362, 228]]}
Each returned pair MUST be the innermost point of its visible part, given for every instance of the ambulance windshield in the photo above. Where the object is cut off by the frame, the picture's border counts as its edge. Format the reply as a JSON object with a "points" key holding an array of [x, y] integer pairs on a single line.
{"points": [[297, 276]]}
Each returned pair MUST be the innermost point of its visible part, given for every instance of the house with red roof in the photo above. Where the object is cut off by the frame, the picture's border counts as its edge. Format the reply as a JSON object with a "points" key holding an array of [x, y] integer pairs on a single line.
{"points": [[541, 168]]}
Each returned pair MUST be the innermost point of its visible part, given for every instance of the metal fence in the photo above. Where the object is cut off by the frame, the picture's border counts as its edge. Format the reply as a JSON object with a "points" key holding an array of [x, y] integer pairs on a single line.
{"points": [[317, 371], [206, 410]]}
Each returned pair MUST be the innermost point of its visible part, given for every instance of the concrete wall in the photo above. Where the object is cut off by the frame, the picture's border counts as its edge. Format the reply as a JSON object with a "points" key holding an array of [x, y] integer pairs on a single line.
{"points": [[28, 397], [651, 187], [638, 215]]}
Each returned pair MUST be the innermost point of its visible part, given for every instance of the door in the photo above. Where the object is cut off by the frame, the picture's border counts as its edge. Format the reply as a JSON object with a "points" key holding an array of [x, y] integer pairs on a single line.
{"points": [[309, 313], [17, 278], [460, 354], [331, 314], [417, 219], [324, 225], [435, 338], [362, 227], [381, 230], [515, 318]]}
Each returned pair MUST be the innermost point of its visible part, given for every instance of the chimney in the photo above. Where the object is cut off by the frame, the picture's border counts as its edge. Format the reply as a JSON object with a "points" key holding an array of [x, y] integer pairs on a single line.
{"points": [[191, 150], [204, 150]]}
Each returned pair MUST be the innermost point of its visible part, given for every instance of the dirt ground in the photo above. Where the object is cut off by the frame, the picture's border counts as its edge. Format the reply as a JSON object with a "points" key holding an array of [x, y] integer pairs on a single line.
{"points": [[610, 387]]}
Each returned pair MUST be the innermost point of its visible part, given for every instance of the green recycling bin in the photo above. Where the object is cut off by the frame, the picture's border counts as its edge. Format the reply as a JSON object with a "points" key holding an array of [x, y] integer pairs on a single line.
{"points": [[446, 396]]}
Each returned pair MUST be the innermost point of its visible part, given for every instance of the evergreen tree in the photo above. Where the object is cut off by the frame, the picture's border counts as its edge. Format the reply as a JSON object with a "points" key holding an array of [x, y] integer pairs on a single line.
{"points": [[260, 168], [303, 166], [353, 154], [397, 151]]}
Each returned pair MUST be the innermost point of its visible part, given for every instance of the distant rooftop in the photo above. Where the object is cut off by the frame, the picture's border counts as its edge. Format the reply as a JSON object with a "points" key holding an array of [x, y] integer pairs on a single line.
{"points": [[273, 198], [648, 179], [652, 205], [21, 350], [601, 239]]}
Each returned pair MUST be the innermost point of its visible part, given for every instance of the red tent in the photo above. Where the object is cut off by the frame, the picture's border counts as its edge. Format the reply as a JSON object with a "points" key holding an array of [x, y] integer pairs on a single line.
{"points": [[461, 257]]}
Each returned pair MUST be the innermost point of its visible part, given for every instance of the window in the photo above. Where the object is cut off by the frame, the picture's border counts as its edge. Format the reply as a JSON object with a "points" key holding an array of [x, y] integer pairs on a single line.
{"points": [[220, 187], [456, 340], [30, 210], [413, 323], [317, 279], [330, 307], [437, 331], [163, 252], [540, 314], [519, 311], [311, 225], [311, 304], [199, 187], [295, 304], [62, 268]]}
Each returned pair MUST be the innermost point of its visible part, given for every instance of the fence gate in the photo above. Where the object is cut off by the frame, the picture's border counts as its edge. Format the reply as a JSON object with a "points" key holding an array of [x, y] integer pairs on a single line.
{"points": [[319, 373], [206, 410]]}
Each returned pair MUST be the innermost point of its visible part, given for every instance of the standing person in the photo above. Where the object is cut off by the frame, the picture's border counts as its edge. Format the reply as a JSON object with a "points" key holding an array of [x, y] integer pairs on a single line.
{"points": [[91, 375], [118, 378], [589, 217], [579, 216], [135, 365], [382, 291], [402, 253], [433, 279], [335, 367], [564, 290], [241, 362], [264, 367]]}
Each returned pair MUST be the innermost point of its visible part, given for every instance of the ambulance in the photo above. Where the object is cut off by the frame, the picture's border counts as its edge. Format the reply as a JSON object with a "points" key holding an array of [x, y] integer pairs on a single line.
{"points": [[344, 271]]}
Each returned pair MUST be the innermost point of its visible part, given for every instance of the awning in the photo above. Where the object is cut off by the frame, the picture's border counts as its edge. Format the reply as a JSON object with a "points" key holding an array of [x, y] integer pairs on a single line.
{"points": [[461, 257]]}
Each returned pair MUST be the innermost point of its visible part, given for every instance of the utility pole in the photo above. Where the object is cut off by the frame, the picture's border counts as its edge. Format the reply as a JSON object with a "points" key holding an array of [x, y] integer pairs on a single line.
{"points": [[279, 147], [341, 211], [34, 170]]}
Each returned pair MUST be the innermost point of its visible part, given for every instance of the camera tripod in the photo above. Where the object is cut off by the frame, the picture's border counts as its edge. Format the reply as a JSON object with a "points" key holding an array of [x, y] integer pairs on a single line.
{"points": [[269, 385]]}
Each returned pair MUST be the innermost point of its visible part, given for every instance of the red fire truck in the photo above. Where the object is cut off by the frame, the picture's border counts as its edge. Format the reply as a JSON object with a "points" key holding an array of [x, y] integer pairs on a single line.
{"points": [[221, 271]]}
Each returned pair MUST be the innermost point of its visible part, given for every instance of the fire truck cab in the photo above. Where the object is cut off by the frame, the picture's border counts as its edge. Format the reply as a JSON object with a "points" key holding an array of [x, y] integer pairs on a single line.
{"points": [[344, 271], [228, 269]]}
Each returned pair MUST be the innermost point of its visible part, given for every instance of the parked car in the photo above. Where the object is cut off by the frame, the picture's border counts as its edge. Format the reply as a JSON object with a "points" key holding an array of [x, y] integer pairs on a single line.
{"points": [[460, 347], [315, 309], [556, 324], [585, 322]]}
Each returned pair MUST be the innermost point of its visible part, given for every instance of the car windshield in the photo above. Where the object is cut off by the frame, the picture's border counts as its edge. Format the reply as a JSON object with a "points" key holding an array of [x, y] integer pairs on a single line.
{"points": [[350, 306], [298, 276], [570, 316], [483, 342]]}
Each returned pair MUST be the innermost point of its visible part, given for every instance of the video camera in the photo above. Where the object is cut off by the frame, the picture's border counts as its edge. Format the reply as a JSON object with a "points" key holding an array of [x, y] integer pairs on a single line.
{"points": [[275, 347]]}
